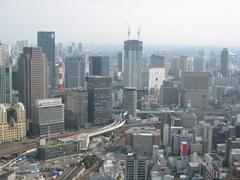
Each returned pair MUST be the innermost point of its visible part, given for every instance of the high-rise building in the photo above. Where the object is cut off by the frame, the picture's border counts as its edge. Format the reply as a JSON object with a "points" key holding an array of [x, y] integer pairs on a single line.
{"points": [[130, 100], [156, 78], [99, 65], [194, 91], [46, 40], [120, 61], [80, 49], [136, 168], [48, 116], [76, 110], [5, 84], [188, 120], [225, 62], [2, 60], [157, 61], [133, 63], [74, 72], [169, 94], [32, 77], [13, 122], [99, 99]]}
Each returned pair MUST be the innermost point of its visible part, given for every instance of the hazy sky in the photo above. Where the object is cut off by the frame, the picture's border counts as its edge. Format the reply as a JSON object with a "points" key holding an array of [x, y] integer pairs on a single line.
{"points": [[186, 22]]}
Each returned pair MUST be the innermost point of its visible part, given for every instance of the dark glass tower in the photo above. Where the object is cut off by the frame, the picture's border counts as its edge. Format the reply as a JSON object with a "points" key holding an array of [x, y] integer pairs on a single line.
{"points": [[225, 62], [46, 40], [99, 65]]}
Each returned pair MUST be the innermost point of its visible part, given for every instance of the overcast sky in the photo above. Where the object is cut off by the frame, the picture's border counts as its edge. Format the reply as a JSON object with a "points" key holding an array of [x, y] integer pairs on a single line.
{"points": [[176, 22]]}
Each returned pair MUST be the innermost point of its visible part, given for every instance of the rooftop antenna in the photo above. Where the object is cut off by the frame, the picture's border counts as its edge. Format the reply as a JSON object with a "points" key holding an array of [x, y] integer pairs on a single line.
{"points": [[129, 30], [138, 31]]}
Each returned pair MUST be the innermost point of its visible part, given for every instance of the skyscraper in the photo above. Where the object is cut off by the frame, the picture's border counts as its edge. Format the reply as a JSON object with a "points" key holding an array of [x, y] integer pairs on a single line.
{"points": [[5, 84], [133, 63], [157, 61], [130, 100], [2, 62], [32, 77], [46, 40], [99, 99], [76, 111], [99, 65], [225, 62], [120, 61], [74, 72]]}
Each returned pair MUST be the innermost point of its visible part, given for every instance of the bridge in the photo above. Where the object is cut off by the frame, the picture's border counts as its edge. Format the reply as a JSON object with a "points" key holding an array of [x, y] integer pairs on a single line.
{"points": [[85, 137]]}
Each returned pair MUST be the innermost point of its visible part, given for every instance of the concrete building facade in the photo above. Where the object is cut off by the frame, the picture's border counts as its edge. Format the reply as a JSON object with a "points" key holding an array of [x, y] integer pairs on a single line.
{"points": [[133, 63], [48, 116], [13, 122]]}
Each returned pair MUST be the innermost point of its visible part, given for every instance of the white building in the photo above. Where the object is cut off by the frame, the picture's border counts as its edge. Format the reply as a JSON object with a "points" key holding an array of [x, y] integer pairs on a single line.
{"points": [[156, 78]]}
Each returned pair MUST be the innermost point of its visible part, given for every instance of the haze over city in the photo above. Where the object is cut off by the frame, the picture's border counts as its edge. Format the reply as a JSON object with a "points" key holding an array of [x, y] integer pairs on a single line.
{"points": [[171, 22], [120, 90]]}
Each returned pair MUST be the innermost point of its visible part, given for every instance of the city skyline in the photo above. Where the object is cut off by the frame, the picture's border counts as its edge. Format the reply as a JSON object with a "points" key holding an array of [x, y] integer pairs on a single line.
{"points": [[93, 22]]}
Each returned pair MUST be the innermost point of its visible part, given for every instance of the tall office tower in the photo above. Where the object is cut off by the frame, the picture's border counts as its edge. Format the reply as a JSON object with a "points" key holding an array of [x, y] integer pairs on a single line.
{"points": [[32, 77], [80, 49], [136, 168], [225, 62], [133, 63], [156, 78], [169, 94], [194, 89], [2, 60], [59, 49], [99, 99], [157, 61], [99, 65], [76, 111], [177, 139], [74, 72], [46, 40], [48, 116], [130, 100], [5, 84], [200, 62], [120, 61], [13, 122]]}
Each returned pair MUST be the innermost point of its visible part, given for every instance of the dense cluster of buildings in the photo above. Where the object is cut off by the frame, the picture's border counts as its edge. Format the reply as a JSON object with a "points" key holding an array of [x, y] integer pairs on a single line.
{"points": [[193, 100]]}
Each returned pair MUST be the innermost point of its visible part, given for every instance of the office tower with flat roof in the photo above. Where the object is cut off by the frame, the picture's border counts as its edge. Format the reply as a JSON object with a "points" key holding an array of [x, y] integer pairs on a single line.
{"points": [[48, 116], [130, 100], [225, 62], [76, 108], [157, 61], [32, 77], [132, 76], [13, 122], [46, 40], [136, 168], [169, 94], [5, 84], [120, 61], [194, 89], [99, 99], [2, 60], [99, 65], [75, 72]]}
